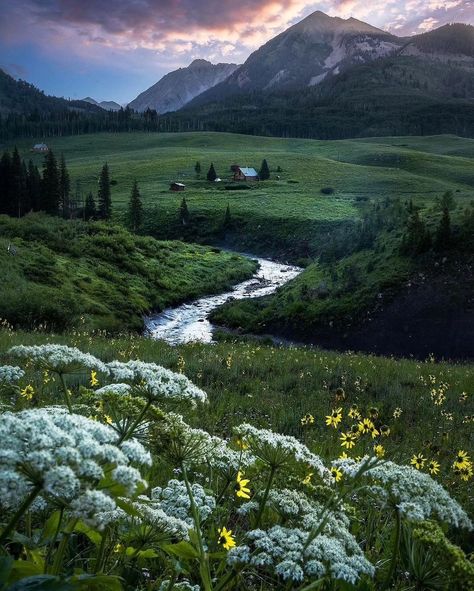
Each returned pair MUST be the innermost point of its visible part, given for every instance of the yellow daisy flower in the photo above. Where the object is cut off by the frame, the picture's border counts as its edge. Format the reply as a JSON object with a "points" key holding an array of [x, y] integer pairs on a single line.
{"points": [[365, 426], [354, 412], [226, 538], [28, 392], [418, 460], [308, 419], [348, 440], [433, 467], [307, 479], [334, 418], [336, 474], [241, 489], [462, 460]]}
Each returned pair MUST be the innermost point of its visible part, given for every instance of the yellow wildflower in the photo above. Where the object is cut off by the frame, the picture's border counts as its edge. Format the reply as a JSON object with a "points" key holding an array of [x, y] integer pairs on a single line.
{"points": [[348, 440], [397, 413], [307, 479], [336, 474], [94, 381], [225, 538], [334, 418], [462, 460], [433, 467], [108, 419], [241, 443], [28, 392], [385, 430], [379, 450], [308, 419], [418, 460], [354, 412], [365, 426], [241, 489]]}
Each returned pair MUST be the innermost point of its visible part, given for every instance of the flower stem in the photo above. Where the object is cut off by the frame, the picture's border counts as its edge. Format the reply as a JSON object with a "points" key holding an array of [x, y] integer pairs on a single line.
{"points": [[395, 551], [22, 509], [135, 424], [58, 559], [101, 552], [204, 564], [66, 393], [265, 495], [53, 542]]}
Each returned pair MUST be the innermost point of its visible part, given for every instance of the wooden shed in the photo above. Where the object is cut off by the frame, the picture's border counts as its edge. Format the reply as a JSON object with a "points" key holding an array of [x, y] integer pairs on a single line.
{"points": [[245, 174], [177, 187]]}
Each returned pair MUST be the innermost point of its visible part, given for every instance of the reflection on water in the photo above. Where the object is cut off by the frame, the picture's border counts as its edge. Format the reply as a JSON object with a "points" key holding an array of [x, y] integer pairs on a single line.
{"points": [[189, 322]]}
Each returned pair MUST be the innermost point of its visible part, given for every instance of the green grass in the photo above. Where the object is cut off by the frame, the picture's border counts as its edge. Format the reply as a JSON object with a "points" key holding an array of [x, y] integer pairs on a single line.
{"points": [[101, 277], [274, 213], [274, 387]]}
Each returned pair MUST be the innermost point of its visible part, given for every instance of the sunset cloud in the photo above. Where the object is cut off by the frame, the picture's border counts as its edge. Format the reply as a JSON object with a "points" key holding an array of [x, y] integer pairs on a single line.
{"points": [[155, 36]]}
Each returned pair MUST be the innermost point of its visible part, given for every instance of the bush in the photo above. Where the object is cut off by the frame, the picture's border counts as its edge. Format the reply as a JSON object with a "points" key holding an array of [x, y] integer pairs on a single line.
{"points": [[327, 190]]}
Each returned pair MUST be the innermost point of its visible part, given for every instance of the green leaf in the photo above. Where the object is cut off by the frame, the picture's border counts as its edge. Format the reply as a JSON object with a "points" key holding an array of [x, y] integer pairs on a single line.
{"points": [[6, 565], [50, 527], [41, 583], [127, 506], [183, 550], [97, 583], [23, 568], [93, 535]]}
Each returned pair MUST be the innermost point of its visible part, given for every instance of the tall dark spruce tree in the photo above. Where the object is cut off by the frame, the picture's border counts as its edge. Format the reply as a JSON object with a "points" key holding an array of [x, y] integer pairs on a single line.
{"points": [[104, 208], [264, 173], [50, 188], [135, 209], [211, 173], [18, 184], [6, 201], [65, 188], [33, 186], [90, 212]]}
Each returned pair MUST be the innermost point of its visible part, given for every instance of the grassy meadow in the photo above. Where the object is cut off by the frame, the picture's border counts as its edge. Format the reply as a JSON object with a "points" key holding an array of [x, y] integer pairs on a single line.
{"points": [[275, 217], [64, 274]]}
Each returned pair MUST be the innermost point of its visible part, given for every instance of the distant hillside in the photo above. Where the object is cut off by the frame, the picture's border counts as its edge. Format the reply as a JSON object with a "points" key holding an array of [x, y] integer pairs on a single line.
{"points": [[107, 105], [177, 88], [18, 96]]}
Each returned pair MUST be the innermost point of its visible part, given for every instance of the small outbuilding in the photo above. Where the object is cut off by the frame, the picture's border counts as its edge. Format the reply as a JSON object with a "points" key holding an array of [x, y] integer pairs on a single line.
{"points": [[245, 174], [177, 187], [40, 148]]}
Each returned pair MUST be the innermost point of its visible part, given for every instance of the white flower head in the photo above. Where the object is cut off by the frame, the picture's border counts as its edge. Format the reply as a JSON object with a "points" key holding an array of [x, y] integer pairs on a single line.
{"points": [[10, 374], [58, 358]]}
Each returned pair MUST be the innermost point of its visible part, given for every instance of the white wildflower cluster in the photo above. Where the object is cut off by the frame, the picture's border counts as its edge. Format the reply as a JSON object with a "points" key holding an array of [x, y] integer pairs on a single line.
{"points": [[417, 495], [156, 382], [62, 455], [58, 358], [276, 449], [183, 585], [174, 500], [10, 374], [286, 551], [334, 550], [227, 460], [117, 389], [152, 512]]}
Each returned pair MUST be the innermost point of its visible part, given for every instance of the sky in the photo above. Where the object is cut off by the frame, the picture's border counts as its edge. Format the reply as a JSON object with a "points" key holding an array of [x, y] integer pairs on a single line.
{"points": [[115, 49]]}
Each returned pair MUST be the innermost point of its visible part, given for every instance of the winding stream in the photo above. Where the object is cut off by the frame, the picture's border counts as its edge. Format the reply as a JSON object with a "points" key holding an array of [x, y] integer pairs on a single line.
{"points": [[190, 322]]}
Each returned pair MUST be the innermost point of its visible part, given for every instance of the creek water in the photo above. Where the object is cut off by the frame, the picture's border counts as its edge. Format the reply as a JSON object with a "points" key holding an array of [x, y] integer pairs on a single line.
{"points": [[190, 322]]}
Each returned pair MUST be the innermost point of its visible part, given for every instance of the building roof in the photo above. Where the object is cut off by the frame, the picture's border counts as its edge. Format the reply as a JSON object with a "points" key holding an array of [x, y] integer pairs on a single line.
{"points": [[179, 184], [248, 171], [38, 146]]}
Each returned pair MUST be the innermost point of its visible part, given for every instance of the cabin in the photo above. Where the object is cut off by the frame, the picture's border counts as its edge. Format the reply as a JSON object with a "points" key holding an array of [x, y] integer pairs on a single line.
{"points": [[40, 148], [245, 174], [234, 168], [177, 187]]}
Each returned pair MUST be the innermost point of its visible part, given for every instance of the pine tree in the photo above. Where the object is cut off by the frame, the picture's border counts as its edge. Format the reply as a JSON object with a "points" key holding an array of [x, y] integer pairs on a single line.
{"points": [[104, 197], [227, 218], [184, 212], [416, 239], [211, 173], [264, 173], [447, 202], [6, 202], [50, 190], [33, 186], [18, 184], [90, 212], [197, 169], [65, 188], [135, 209], [443, 232]]}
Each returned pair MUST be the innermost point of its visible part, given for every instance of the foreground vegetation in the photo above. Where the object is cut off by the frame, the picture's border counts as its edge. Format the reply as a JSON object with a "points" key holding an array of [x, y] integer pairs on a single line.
{"points": [[246, 508], [62, 274]]}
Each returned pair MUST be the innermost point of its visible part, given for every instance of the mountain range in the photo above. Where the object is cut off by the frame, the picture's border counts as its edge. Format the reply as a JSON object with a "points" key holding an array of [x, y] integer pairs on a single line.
{"points": [[106, 105], [178, 88]]}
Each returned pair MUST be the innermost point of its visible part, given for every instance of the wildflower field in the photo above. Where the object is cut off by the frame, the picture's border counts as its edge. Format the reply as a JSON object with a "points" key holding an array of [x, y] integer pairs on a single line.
{"points": [[130, 464]]}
